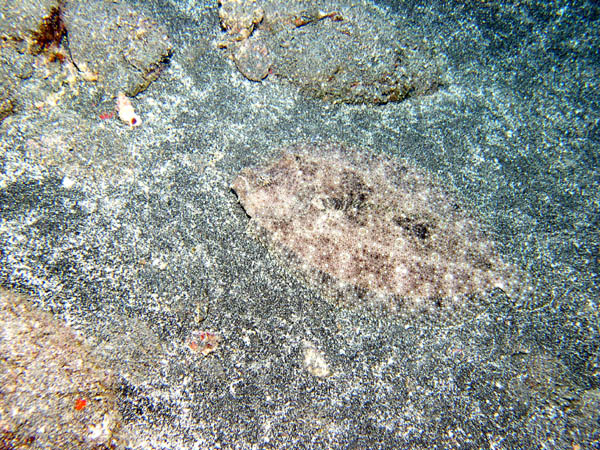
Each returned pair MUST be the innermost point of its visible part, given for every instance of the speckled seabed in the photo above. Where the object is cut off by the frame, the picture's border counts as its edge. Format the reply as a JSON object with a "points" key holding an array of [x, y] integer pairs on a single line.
{"points": [[134, 238]]}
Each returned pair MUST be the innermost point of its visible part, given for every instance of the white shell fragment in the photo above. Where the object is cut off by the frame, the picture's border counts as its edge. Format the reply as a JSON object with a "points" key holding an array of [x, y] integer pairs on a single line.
{"points": [[126, 112]]}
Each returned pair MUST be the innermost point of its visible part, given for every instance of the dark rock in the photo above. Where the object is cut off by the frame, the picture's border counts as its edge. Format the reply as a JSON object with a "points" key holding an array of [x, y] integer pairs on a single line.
{"points": [[22, 20], [123, 47], [55, 394], [116, 47], [340, 54]]}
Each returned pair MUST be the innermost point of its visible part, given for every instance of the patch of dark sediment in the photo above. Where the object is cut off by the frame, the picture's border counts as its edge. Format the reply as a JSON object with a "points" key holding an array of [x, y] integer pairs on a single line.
{"points": [[372, 230]]}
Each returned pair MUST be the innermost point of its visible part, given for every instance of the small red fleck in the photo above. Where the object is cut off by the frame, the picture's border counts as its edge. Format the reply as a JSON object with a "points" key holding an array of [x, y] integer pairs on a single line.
{"points": [[456, 351], [106, 116], [80, 403]]}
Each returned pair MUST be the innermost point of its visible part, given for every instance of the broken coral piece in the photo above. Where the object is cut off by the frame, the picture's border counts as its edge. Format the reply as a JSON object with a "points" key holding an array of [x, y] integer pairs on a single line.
{"points": [[126, 112], [204, 342], [314, 361]]}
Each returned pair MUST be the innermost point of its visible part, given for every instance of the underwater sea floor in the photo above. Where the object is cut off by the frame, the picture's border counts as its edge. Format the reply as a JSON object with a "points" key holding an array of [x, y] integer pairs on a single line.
{"points": [[431, 283]]}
